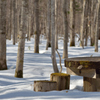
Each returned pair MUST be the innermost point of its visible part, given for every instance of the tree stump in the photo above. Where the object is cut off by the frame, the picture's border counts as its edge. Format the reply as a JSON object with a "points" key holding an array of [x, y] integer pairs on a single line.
{"points": [[44, 86], [91, 84], [62, 79]]}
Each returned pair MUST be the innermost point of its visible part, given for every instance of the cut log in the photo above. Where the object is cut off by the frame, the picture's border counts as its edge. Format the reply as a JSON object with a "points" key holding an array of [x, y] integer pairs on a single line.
{"points": [[44, 86], [62, 79], [91, 84]]}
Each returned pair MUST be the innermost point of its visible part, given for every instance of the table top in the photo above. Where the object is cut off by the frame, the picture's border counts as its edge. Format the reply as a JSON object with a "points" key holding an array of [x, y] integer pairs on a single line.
{"points": [[86, 62]]}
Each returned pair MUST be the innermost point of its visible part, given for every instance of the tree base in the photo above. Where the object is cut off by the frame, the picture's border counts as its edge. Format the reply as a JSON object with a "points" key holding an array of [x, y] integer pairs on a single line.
{"points": [[3, 65], [62, 79], [48, 45], [36, 51], [19, 74], [72, 44]]}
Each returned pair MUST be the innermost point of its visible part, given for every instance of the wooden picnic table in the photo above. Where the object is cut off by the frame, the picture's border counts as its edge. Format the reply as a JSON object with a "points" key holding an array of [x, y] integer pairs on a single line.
{"points": [[89, 68]]}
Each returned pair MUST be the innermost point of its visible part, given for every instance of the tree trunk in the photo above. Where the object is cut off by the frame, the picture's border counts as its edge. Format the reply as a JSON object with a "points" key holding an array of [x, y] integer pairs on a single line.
{"points": [[36, 44], [99, 26], [82, 25], [65, 50], [56, 17], [32, 20], [17, 20], [8, 18], [3, 65], [72, 22], [96, 32], [48, 29], [14, 21], [89, 19], [86, 22], [21, 45], [53, 36], [30, 5], [93, 14]]}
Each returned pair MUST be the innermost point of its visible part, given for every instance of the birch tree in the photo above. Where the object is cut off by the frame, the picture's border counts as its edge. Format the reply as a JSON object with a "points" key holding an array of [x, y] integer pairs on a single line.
{"points": [[36, 44], [86, 23], [21, 45], [8, 18], [96, 32], [14, 2], [93, 23], [53, 36], [56, 28], [82, 25], [72, 22], [65, 50], [48, 29], [3, 64]]}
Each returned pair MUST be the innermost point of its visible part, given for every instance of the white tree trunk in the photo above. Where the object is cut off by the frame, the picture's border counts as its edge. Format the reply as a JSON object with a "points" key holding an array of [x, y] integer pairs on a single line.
{"points": [[65, 50], [3, 65], [72, 22], [53, 36], [48, 29], [92, 23], [36, 44], [15, 10], [8, 23], [82, 25], [96, 32], [56, 30], [21, 45]]}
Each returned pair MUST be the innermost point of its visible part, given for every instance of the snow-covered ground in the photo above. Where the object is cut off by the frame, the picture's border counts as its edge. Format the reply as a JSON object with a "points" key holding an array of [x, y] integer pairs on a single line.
{"points": [[39, 67]]}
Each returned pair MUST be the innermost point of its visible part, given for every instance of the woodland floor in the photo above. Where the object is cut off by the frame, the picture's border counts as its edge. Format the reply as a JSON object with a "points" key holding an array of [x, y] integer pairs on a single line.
{"points": [[39, 67]]}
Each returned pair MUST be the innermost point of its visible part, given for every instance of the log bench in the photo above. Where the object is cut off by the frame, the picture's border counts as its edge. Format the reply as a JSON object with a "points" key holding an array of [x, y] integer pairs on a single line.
{"points": [[89, 68]]}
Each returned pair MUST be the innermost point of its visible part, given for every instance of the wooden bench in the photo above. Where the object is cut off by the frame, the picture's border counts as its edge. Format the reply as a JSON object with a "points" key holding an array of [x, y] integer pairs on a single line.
{"points": [[89, 68]]}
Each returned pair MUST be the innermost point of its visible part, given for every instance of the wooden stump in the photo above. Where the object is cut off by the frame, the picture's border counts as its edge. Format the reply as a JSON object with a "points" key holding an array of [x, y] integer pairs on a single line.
{"points": [[91, 84], [44, 86], [62, 79]]}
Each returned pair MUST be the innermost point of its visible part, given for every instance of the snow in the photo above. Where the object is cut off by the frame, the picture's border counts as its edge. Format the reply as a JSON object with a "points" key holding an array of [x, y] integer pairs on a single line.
{"points": [[39, 67]]}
